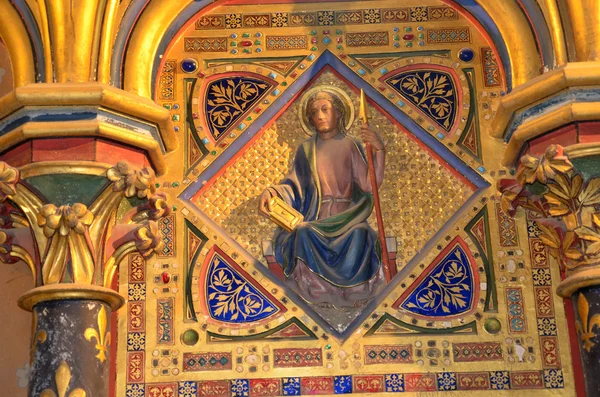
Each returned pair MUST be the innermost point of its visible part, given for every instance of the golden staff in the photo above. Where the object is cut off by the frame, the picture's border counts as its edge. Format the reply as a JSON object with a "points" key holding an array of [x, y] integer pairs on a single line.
{"points": [[389, 273]]}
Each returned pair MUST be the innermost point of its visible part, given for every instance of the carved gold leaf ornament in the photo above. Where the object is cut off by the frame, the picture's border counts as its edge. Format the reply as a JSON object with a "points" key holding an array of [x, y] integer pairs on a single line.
{"points": [[9, 177], [63, 378], [133, 181], [101, 335], [148, 239], [585, 325], [568, 211]]}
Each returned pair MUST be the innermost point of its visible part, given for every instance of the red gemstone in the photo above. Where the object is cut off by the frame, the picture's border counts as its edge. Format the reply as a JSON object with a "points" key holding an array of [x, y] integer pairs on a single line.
{"points": [[257, 110], [200, 74], [223, 145], [314, 40], [381, 88], [246, 43], [326, 32], [294, 75], [166, 277], [343, 56], [195, 115], [409, 36], [339, 39]]}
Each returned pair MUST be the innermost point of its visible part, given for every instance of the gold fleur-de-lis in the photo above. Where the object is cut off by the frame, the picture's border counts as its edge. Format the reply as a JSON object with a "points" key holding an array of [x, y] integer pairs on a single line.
{"points": [[583, 327], [101, 335], [63, 378], [37, 337]]}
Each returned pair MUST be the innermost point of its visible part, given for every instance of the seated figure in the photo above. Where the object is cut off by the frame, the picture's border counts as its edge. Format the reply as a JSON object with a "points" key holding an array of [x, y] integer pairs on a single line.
{"points": [[333, 256]]}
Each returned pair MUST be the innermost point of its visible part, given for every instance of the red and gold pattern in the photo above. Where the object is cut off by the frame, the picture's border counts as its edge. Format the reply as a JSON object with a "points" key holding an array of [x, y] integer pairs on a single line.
{"points": [[317, 385], [368, 384], [473, 381], [137, 268], [135, 367], [162, 390], [265, 387], [550, 353], [526, 380], [484, 351], [137, 316], [214, 388], [285, 358], [420, 382]]}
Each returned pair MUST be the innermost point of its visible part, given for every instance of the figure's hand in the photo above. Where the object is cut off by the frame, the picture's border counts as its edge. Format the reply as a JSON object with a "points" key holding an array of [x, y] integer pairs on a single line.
{"points": [[264, 205], [371, 137]]}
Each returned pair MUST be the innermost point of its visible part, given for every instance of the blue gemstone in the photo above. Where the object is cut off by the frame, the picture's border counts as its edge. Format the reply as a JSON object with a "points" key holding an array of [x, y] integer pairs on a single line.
{"points": [[396, 44], [273, 75], [326, 40], [176, 106], [481, 169], [361, 72], [241, 126], [466, 55], [440, 135], [258, 34], [205, 141], [259, 50], [421, 43], [189, 65], [396, 29], [383, 71], [176, 129], [275, 92], [234, 51], [311, 57], [234, 36], [400, 103]]}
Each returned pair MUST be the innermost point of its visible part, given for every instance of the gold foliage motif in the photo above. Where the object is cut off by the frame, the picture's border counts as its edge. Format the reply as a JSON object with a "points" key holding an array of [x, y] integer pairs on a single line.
{"points": [[148, 239], [133, 181], [101, 335], [9, 177], [64, 219], [585, 325], [63, 378], [39, 336], [568, 209]]}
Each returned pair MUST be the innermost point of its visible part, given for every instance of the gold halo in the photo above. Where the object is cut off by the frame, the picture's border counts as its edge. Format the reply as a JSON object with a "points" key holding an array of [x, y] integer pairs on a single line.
{"points": [[339, 93]]}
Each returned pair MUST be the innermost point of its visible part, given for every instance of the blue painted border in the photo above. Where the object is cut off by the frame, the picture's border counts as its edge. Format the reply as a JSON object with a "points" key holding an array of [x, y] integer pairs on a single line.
{"points": [[327, 58], [492, 30], [36, 39]]}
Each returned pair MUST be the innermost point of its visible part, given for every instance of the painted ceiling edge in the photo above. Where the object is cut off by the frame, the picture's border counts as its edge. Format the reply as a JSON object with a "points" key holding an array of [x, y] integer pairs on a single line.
{"points": [[34, 38], [540, 30], [473, 12], [126, 26]]}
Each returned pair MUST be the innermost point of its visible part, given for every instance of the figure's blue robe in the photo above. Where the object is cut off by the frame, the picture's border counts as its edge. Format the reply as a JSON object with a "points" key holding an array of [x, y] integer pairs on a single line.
{"points": [[343, 249]]}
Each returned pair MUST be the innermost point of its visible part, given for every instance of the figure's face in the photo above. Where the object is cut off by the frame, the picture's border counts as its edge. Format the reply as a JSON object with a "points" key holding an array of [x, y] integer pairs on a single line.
{"points": [[324, 116]]}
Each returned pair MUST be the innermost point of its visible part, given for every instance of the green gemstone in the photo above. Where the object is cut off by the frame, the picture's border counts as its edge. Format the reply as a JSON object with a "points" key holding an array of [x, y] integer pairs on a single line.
{"points": [[214, 152], [314, 49], [190, 337], [409, 43], [421, 36], [247, 50], [175, 184], [175, 117], [396, 37], [492, 326], [408, 29], [257, 42], [234, 44], [167, 106], [327, 346], [249, 118], [174, 208], [157, 185], [313, 32], [284, 83], [339, 47], [246, 35], [339, 31]]}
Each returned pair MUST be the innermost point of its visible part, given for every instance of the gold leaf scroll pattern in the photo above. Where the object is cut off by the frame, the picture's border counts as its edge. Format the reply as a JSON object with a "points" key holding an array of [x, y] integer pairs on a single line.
{"points": [[585, 325], [227, 100], [432, 93], [63, 378], [231, 298], [38, 336], [101, 335]]}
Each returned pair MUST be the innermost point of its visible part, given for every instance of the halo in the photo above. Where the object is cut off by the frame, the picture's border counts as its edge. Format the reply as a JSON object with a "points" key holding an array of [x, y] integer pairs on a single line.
{"points": [[339, 93]]}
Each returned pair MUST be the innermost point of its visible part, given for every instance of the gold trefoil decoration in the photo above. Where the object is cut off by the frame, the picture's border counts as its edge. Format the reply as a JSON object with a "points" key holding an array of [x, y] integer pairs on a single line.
{"points": [[101, 335], [567, 208], [72, 241], [585, 324], [63, 378]]}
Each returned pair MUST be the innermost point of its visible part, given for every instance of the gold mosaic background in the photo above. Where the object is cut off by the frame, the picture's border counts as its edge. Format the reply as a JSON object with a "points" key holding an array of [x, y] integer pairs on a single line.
{"points": [[418, 195]]}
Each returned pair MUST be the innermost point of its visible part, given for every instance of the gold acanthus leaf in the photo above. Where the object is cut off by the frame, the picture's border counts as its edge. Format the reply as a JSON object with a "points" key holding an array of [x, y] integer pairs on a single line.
{"points": [[9, 177]]}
